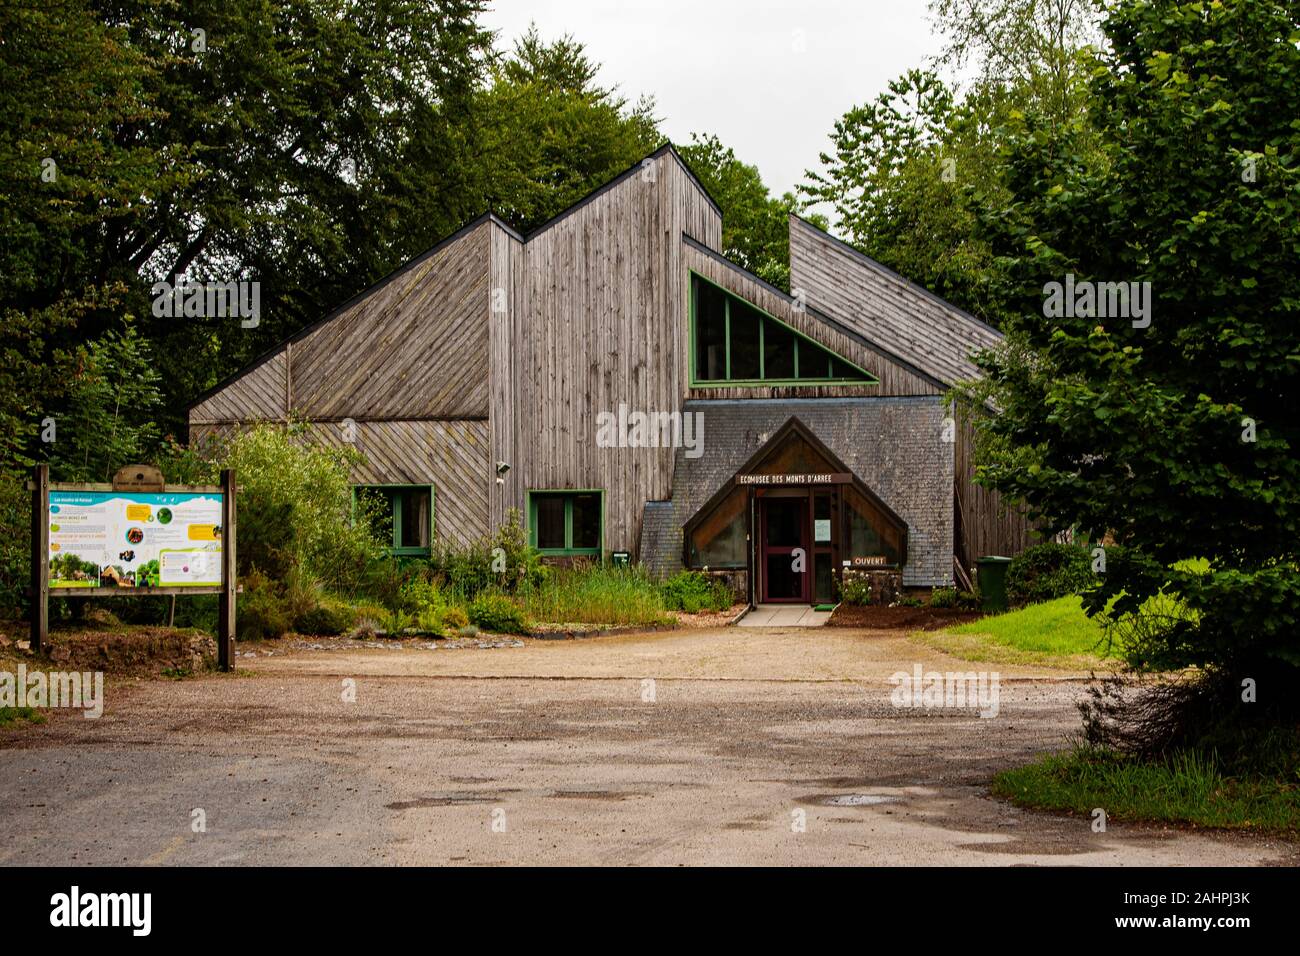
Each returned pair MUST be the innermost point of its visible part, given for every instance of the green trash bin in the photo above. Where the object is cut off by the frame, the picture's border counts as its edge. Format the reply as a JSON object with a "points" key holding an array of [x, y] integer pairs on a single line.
{"points": [[991, 576]]}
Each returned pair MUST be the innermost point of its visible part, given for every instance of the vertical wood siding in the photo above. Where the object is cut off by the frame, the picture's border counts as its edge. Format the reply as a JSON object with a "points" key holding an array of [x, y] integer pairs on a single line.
{"points": [[598, 318]]}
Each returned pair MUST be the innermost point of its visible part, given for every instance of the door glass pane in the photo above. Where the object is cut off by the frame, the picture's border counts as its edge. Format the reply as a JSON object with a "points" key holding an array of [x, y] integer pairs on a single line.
{"points": [[822, 524], [778, 351], [414, 532], [586, 521], [783, 582], [550, 521], [784, 527], [823, 592], [710, 332]]}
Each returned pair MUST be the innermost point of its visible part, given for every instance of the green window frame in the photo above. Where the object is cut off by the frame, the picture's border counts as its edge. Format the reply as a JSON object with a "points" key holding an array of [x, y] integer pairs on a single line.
{"points": [[567, 495], [397, 503], [806, 351]]}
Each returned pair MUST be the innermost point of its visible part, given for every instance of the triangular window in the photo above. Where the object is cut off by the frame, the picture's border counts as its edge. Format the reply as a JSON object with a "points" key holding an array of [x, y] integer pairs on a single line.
{"points": [[735, 342]]}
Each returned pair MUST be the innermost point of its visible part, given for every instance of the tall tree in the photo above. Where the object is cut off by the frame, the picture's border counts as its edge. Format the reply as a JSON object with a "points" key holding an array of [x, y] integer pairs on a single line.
{"points": [[550, 133], [67, 80], [1027, 45], [1175, 434], [899, 179]]}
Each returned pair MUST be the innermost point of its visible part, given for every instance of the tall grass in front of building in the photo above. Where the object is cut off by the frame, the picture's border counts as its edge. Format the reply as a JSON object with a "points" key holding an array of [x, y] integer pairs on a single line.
{"points": [[596, 594]]}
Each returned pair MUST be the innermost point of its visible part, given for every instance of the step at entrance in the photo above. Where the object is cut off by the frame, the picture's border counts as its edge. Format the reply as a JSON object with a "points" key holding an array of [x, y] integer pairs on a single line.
{"points": [[784, 615]]}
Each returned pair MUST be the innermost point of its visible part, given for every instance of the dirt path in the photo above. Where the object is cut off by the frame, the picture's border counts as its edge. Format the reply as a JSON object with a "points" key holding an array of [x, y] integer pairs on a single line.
{"points": [[789, 754], [756, 654]]}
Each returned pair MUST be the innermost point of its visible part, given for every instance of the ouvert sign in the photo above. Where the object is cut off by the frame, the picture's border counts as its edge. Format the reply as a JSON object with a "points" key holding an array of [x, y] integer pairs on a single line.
{"points": [[134, 537]]}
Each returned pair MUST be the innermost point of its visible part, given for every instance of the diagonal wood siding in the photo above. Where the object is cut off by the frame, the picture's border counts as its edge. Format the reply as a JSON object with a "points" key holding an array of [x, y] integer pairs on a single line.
{"points": [[414, 348], [450, 455], [909, 321], [257, 395]]}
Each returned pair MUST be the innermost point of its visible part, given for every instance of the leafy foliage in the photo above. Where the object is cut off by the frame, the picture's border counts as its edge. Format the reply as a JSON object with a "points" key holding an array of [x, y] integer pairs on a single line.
{"points": [[694, 591], [755, 224], [1180, 439], [112, 401], [1047, 571], [498, 614], [855, 589], [294, 500], [505, 561]]}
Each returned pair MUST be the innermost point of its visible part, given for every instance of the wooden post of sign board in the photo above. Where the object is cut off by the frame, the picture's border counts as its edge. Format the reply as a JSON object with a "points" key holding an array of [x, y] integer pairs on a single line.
{"points": [[226, 617], [40, 557]]}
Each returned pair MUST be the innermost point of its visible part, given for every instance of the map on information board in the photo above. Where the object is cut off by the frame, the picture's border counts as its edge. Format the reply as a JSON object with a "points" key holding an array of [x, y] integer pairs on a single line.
{"points": [[126, 539]]}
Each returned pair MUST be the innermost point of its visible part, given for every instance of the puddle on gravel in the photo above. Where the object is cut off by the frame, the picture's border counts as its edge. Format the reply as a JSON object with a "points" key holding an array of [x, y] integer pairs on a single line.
{"points": [[859, 800], [446, 800], [597, 794]]}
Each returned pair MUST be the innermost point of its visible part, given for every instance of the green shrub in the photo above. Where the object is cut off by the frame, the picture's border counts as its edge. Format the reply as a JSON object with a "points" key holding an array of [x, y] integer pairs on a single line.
{"points": [[384, 577], [429, 620], [1048, 571], [464, 570], [943, 597], [395, 622], [441, 619], [328, 618], [262, 612], [504, 562], [418, 593], [694, 591], [497, 613], [296, 506], [855, 589]]}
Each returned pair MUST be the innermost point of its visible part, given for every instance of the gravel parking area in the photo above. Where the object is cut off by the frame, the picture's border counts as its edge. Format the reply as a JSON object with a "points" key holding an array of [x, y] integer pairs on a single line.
{"points": [[686, 747]]}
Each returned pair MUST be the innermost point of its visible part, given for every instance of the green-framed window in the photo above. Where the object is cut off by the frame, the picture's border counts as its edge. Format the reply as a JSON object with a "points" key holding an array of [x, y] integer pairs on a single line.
{"points": [[733, 342], [405, 516], [567, 522]]}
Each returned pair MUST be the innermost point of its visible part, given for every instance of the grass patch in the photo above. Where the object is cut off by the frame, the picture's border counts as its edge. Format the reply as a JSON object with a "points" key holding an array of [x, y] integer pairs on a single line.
{"points": [[17, 715], [1187, 788], [595, 595], [1052, 634]]}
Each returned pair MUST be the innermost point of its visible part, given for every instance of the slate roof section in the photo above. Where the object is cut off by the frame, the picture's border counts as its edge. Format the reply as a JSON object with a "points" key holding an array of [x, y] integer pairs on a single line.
{"points": [[882, 306]]}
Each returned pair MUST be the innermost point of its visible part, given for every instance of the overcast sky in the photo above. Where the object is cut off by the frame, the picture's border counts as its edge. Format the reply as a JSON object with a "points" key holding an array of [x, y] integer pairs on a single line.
{"points": [[769, 77]]}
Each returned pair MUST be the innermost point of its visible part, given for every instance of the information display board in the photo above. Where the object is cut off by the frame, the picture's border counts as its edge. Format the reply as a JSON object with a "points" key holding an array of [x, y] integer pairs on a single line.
{"points": [[134, 539]]}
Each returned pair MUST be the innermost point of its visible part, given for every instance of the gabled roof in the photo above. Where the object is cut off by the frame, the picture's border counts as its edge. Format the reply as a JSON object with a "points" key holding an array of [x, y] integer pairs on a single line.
{"points": [[884, 307], [667, 149]]}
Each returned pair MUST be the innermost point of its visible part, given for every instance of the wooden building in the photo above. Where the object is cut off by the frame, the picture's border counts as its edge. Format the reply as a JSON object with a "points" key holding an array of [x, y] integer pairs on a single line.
{"points": [[625, 386]]}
